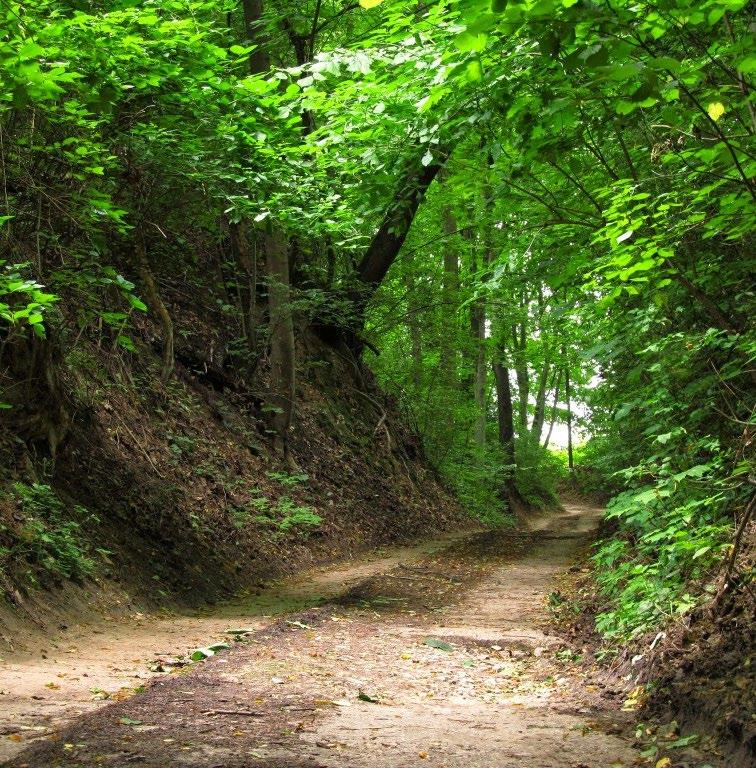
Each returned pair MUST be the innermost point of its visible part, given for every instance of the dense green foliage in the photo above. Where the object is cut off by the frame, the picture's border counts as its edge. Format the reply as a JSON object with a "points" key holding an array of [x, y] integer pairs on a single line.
{"points": [[48, 538], [583, 256]]}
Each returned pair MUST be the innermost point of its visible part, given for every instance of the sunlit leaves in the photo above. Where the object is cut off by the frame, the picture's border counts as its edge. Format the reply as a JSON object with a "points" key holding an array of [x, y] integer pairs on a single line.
{"points": [[715, 110], [466, 41]]}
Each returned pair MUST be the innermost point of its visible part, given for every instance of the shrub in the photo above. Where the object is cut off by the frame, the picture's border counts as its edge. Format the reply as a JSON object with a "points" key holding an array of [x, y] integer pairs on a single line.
{"points": [[48, 536]]}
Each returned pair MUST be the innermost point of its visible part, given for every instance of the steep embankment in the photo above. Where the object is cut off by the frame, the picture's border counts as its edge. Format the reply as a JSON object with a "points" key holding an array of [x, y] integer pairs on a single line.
{"points": [[170, 492]]}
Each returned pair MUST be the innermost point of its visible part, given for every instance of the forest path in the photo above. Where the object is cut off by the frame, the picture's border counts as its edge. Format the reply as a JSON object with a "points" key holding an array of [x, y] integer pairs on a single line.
{"points": [[440, 658], [47, 681]]}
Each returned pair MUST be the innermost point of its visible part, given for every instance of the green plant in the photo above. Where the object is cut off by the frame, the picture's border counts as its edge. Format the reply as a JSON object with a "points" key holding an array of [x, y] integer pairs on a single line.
{"points": [[477, 477], [288, 480], [295, 516], [537, 472], [181, 445], [671, 536], [23, 302], [48, 538]]}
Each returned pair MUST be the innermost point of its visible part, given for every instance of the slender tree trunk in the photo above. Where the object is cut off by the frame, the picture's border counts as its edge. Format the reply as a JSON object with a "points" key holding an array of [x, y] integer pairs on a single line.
{"points": [[259, 59], [156, 304], [716, 316], [450, 292], [478, 333], [417, 354], [523, 378], [478, 320], [416, 342], [504, 411], [570, 462], [282, 350], [330, 263], [553, 408], [276, 250], [539, 414], [246, 269]]}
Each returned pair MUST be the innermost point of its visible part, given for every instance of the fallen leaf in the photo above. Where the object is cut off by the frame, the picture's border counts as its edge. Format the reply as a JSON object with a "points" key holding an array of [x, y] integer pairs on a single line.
{"points": [[364, 697], [434, 642], [129, 721]]}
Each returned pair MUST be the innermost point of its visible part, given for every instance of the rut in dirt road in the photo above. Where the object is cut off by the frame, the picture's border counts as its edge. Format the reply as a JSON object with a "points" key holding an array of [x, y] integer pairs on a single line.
{"points": [[443, 661]]}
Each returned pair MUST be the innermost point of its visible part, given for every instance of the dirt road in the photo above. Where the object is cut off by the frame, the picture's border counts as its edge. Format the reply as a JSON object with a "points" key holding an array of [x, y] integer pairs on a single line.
{"points": [[435, 656]]}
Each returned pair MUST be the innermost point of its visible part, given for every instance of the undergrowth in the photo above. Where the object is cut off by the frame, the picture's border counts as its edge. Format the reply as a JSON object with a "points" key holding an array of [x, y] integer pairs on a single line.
{"points": [[41, 537], [477, 474], [673, 527]]}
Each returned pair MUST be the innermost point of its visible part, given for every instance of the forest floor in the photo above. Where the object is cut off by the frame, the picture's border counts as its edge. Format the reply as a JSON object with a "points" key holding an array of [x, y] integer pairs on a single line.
{"points": [[440, 655]]}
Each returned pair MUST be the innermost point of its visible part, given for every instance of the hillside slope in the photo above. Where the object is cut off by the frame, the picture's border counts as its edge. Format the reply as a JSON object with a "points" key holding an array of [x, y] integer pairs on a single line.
{"points": [[171, 490]]}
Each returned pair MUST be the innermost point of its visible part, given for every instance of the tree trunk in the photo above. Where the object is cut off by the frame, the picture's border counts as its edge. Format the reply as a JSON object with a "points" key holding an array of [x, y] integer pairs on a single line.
{"points": [[478, 333], [246, 271], [504, 411], [416, 342], [449, 293], [539, 414], [417, 354], [570, 462], [259, 60], [397, 220], [553, 409], [282, 351], [276, 250], [155, 303], [523, 379], [478, 322]]}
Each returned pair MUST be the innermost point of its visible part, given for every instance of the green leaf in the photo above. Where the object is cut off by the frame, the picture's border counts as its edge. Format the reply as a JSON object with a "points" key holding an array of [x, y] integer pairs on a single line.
{"points": [[126, 343], [208, 651], [469, 42], [364, 697], [434, 642], [747, 65], [129, 721], [474, 70], [715, 110]]}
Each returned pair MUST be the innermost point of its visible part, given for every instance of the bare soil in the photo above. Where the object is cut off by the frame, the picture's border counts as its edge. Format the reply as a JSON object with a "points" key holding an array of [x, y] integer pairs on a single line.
{"points": [[441, 655]]}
